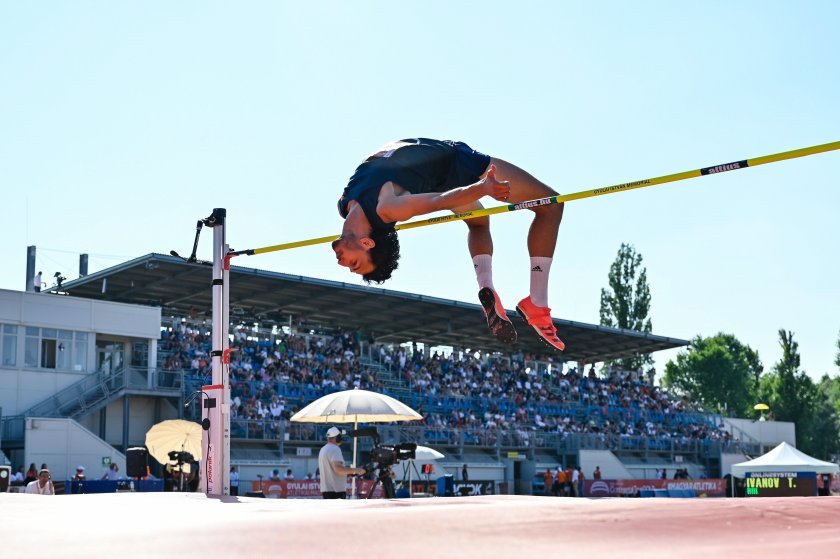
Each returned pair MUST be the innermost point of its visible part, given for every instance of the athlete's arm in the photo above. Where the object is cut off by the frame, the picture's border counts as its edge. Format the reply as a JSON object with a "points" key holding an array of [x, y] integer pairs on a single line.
{"points": [[403, 207]]}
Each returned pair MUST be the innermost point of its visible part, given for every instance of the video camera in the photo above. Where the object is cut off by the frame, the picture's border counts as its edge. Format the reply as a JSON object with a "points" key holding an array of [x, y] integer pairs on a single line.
{"points": [[385, 455], [382, 457], [388, 455], [181, 457]]}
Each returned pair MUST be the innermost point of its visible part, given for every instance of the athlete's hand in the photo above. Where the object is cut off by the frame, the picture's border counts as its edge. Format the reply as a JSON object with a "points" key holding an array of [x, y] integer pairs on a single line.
{"points": [[500, 190]]}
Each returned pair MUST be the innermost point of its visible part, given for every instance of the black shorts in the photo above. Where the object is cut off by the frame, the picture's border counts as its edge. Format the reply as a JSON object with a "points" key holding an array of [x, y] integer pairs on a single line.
{"points": [[468, 165], [334, 494]]}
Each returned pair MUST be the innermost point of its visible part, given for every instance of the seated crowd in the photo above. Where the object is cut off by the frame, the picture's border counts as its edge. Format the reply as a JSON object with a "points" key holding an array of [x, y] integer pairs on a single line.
{"points": [[520, 393]]}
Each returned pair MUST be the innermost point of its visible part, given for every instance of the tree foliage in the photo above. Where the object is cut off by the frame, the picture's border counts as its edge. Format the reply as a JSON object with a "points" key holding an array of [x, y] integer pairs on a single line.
{"points": [[837, 358], [792, 395], [626, 303], [720, 372], [826, 425]]}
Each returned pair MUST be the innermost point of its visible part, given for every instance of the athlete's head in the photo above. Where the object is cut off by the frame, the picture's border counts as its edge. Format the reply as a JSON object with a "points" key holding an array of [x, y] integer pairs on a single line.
{"points": [[374, 256], [384, 255]]}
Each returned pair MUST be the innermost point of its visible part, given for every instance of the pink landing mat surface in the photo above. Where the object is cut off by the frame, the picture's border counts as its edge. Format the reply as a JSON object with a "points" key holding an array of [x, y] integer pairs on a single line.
{"points": [[173, 525]]}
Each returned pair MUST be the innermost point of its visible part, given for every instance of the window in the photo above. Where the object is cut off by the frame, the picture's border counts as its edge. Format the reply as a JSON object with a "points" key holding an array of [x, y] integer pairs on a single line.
{"points": [[8, 345], [140, 354], [30, 348], [80, 351], [49, 348]]}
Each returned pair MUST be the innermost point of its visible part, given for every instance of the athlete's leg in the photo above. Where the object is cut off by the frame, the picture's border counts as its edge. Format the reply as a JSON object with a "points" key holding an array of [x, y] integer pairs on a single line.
{"points": [[480, 244], [479, 240], [542, 239]]}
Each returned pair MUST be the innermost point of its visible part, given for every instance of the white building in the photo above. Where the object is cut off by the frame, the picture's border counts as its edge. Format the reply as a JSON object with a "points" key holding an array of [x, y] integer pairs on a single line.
{"points": [[78, 380]]}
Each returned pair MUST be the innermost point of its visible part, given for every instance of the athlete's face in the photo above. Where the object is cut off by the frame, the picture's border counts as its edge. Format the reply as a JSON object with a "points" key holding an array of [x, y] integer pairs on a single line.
{"points": [[354, 254]]}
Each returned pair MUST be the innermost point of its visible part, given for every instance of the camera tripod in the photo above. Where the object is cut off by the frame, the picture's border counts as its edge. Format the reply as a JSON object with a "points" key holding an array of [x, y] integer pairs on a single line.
{"points": [[383, 477]]}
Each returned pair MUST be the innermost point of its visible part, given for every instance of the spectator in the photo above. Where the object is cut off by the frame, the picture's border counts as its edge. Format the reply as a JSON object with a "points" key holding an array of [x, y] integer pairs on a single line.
{"points": [[234, 481], [80, 474], [289, 475], [275, 475], [567, 490], [31, 474], [113, 472], [17, 477], [548, 481], [581, 482], [559, 481], [38, 283], [596, 475], [43, 485], [465, 475]]}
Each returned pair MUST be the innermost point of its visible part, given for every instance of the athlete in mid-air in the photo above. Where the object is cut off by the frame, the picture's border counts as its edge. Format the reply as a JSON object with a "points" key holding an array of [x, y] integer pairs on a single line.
{"points": [[413, 177]]}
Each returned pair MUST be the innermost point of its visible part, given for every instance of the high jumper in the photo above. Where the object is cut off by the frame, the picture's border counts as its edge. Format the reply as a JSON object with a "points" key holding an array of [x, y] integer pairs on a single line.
{"points": [[418, 176]]}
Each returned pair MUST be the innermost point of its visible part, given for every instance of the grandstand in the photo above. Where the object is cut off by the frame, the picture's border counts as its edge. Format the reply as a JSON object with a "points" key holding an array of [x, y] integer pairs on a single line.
{"points": [[507, 412]]}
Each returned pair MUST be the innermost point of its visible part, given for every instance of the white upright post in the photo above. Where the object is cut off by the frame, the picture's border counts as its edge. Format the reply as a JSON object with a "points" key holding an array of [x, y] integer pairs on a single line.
{"points": [[216, 397]]}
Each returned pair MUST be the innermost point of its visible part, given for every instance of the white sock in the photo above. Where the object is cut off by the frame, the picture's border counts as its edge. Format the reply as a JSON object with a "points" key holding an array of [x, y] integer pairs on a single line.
{"points": [[483, 264], [540, 266]]}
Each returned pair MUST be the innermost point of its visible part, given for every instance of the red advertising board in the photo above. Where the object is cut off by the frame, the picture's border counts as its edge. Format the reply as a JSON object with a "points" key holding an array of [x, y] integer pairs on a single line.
{"points": [[307, 489], [631, 487]]}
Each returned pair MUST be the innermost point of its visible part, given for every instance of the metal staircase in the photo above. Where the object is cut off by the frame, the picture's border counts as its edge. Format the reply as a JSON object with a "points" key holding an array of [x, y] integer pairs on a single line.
{"points": [[93, 392]]}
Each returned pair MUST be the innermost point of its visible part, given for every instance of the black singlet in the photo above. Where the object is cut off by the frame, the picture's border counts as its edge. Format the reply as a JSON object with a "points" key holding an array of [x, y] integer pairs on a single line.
{"points": [[424, 165]]}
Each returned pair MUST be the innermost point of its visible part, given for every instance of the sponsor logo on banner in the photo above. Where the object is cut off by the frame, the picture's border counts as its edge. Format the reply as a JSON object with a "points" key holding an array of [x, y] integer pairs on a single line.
{"points": [[620, 487], [599, 489], [475, 487], [307, 489]]}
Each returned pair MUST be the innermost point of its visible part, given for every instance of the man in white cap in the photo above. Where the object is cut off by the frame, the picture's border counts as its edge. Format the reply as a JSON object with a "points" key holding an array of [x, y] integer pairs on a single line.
{"points": [[333, 471]]}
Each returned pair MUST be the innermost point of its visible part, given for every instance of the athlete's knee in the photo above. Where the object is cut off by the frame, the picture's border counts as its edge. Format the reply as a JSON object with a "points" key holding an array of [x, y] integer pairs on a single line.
{"points": [[550, 211]]}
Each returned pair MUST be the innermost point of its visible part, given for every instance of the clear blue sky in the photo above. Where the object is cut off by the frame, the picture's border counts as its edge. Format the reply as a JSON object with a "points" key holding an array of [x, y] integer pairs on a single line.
{"points": [[122, 123]]}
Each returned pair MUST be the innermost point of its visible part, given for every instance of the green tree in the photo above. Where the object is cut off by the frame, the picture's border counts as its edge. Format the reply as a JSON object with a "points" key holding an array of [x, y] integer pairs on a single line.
{"points": [[626, 303], [791, 393], [718, 372], [837, 359], [826, 425]]}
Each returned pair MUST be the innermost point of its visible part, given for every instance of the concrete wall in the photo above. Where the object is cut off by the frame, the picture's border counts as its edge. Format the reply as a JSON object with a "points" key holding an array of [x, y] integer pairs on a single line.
{"points": [[727, 459], [768, 433], [141, 412], [611, 466], [72, 313], [63, 445]]}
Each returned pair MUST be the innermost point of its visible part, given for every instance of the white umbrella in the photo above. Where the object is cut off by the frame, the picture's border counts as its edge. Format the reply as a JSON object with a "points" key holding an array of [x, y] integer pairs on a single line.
{"points": [[422, 454], [426, 454], [174, 435], [356, 406]]}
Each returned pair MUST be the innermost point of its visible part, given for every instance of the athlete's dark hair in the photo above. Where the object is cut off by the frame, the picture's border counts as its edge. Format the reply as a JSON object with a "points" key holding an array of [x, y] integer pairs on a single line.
{"points": [[385, 255]]}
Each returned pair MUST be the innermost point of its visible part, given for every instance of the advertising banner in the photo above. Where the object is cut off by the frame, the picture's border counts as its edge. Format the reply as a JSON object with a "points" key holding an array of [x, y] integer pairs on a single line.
{"points": [[308, 489], [478, 487], [632, 487]]}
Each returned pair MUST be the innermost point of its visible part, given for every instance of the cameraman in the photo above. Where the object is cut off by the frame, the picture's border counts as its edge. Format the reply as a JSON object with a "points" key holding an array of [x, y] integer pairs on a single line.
{"points": [[331, 464]]}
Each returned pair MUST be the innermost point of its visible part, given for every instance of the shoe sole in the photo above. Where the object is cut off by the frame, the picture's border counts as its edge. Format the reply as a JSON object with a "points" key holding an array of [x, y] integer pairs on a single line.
{"points": [[501, 328], [538, 332]]}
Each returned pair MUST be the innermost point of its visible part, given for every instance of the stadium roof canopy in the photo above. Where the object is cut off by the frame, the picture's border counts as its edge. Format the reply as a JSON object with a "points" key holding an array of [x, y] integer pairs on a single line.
{"points": [[182, 288]]}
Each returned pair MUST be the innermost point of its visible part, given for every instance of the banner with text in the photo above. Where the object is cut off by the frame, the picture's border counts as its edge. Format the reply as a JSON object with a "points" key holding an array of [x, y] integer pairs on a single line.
{"points": [[631, 487], [308, 489]]}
